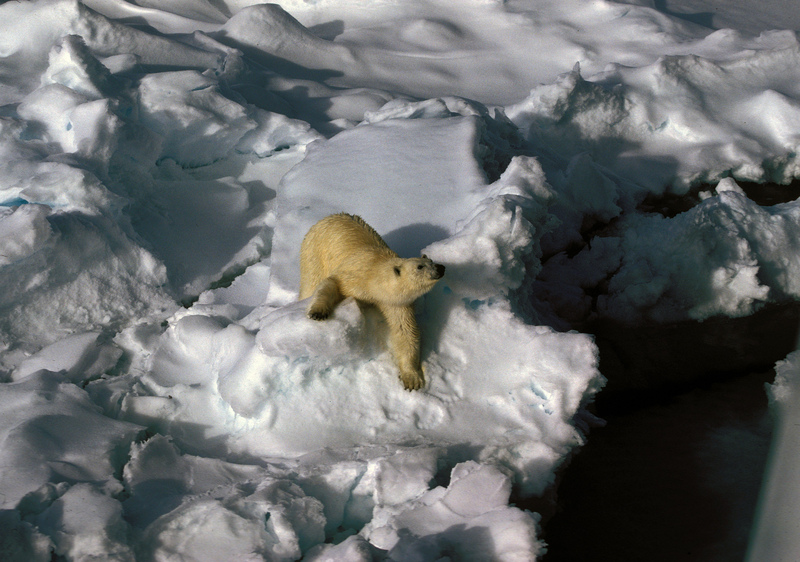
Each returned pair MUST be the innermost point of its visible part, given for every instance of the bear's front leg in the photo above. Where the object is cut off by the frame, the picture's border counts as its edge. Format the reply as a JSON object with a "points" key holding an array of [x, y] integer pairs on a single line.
{"points": [[325, 298], [404, 341]]}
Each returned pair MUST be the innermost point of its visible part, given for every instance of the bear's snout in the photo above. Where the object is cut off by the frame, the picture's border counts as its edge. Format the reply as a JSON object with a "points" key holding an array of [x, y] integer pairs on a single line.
{"points": [[438, 271]]}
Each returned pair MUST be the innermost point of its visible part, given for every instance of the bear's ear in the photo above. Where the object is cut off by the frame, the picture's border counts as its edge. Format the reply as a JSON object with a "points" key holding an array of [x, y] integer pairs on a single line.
{"points": [[397, 270], [424, 257]]}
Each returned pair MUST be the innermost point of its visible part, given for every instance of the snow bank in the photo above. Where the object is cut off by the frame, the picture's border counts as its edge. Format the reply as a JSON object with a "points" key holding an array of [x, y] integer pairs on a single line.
{"points": [[774, 535], [54, 433], [726, 256], [451, 521], [29, 31], [679, 121]]}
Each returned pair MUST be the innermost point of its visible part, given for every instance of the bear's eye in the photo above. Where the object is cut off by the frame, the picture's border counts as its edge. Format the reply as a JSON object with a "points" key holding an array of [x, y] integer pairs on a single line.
{"points": [[420, 266], [397, 271]]}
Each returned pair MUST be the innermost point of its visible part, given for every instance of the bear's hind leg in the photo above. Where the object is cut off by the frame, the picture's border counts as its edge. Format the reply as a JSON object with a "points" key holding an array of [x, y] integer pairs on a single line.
{"points": [[325, 298]]}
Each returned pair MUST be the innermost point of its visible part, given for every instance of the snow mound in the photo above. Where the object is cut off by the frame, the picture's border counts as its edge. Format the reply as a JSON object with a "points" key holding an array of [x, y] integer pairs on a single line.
{"points": [[726, 256], [640, 122], [53, 435], [198, 124], [448, 521]]}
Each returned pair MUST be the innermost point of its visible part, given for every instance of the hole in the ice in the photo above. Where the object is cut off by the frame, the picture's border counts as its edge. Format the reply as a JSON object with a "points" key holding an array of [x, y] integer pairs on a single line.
{"points": [[646, 362], [762, 194], [669, 204], [768, 194]]}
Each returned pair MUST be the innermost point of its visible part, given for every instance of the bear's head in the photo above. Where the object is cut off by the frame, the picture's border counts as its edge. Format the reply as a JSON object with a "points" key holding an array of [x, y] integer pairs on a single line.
{"points": [[410, 278]]}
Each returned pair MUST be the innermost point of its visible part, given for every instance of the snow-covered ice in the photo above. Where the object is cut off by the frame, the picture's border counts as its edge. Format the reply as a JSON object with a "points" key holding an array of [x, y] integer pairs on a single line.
{"points": [[774, 535], [164, 395]]}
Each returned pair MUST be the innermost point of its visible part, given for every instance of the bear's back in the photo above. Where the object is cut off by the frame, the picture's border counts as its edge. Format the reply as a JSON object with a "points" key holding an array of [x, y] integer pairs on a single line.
{"points": [[348, 231], [340, 242]]}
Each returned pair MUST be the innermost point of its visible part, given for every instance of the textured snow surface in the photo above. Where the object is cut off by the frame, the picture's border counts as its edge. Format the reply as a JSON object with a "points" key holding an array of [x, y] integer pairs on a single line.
{"points": [[164, 396]]}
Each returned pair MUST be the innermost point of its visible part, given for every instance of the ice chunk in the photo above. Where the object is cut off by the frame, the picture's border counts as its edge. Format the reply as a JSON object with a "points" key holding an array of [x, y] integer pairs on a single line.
{"points": [[638, 121], [468, 477], [729, 184], [226, 510], [71, 65], [73, 123], [501, 241], [184, 384], [82, 357], [59, 186], [484, 259], [401, 477], [23, 231], [90, 275], [87, 524], [288, 332], [733, 246], [270, 33], [51, 431], [353, 549], [245, 381], [204, 230], [199, 125], [20, 540], [186, 352], [470, 518], [28, 32], [775, 529], [247, 291], [276, 132]]}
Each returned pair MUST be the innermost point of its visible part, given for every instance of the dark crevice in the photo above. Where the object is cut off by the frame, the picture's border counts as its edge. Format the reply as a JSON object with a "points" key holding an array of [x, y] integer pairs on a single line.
{"points": [[763, 194], [648, 363], [676, 471], [768, 194], [676, 480], [668, 204]]}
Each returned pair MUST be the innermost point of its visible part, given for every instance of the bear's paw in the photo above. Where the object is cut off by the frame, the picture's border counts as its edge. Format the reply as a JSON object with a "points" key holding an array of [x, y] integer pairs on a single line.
{"points": [[412, 380], [319, 314]]}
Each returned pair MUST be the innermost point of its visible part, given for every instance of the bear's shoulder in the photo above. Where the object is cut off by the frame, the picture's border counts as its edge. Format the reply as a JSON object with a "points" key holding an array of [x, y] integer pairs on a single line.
{"points": [[356, 219], [369, 233]]}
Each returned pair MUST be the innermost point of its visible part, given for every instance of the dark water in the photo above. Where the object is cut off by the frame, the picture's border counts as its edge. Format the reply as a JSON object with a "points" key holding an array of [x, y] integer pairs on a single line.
{"points": [[676, 472]]}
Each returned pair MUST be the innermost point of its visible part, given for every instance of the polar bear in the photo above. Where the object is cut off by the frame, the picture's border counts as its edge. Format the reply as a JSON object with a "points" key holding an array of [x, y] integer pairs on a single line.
{"points": [[342, 256]]}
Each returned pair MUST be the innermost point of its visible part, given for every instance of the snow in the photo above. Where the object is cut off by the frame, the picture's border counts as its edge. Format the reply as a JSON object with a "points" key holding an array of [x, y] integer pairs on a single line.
{"points": [[774, 535], [163, 394], [726, 256]]}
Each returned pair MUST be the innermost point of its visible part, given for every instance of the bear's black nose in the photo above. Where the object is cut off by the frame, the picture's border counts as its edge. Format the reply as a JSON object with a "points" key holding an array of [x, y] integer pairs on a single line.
{"points": [[439, 270]]}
